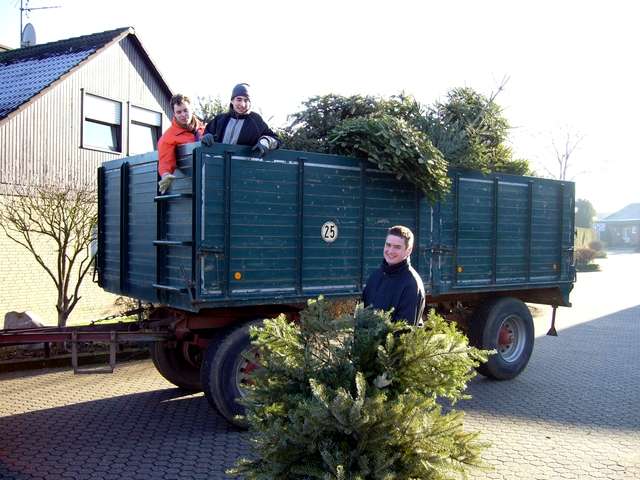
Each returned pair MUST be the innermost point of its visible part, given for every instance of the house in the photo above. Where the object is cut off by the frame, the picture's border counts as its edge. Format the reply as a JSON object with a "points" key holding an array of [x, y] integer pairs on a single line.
{"points": [[66, 107], [622, 228]]}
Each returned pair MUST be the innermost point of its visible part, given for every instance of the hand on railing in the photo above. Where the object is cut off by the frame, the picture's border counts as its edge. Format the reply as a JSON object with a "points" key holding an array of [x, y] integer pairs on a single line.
{"points": [[165, 182]]}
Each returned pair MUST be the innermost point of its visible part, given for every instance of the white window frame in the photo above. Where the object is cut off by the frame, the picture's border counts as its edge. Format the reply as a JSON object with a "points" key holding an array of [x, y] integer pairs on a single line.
{"points": [[103, 118], [132, 118]]}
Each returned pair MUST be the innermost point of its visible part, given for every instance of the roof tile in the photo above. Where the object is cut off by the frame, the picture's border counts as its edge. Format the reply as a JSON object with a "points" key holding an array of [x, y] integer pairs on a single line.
{"points": [[24, 72]]}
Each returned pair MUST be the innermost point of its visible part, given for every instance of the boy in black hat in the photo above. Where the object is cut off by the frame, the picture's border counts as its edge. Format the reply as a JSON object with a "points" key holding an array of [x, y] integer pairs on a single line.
{"points": [[241, 126]]}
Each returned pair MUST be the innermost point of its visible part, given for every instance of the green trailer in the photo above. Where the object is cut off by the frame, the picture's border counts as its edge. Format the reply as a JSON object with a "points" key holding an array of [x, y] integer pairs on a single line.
{"points": [[240, 238]]}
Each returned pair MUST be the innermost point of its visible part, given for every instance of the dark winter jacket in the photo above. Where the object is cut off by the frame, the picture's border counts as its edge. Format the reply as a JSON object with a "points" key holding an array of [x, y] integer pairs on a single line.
{"points": [[398, 286], [253, 127]]}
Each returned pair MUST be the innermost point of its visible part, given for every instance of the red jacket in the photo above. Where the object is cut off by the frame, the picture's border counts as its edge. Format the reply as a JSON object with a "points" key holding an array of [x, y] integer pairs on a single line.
{"points": [[174, 136]]}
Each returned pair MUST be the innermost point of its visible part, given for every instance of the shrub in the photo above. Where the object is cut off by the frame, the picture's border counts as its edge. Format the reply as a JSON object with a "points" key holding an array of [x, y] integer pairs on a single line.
{"points": [[584, 256], [591, 267], [358, 396], [596, 245]]}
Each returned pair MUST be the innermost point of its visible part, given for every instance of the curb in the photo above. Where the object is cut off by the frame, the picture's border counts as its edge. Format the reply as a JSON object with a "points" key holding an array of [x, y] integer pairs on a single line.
{"points": [[7, 366]]}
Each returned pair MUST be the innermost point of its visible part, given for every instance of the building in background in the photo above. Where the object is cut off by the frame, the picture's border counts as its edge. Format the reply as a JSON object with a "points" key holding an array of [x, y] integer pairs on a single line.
{"points": [[66, 107], [622, 228]]}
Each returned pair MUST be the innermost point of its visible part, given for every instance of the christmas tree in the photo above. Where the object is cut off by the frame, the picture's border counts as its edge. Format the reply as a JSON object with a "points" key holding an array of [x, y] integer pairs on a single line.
{"points": [[358, 397]]}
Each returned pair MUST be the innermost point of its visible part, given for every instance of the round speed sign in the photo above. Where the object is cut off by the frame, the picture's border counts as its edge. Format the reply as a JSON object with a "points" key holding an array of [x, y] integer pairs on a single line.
{"points": [[329, 232]]}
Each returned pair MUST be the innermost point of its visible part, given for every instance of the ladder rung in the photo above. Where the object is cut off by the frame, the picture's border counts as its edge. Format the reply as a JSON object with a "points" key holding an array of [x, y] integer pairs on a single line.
{"points": [[172, 196], [172, 243], [169, 288]]}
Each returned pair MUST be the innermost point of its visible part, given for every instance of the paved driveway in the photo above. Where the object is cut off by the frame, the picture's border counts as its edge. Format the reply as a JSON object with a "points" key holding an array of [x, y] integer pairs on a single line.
{"points": [[573, 413]]}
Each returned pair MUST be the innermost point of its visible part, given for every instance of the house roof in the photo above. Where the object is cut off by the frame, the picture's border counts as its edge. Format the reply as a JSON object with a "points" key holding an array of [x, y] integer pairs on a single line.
{"points": [[629, 213], [26, 72]]}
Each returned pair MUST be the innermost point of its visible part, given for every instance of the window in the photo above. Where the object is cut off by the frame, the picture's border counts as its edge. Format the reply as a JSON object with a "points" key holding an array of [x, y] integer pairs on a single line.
{"points": [[144, 130], [102, 125]]}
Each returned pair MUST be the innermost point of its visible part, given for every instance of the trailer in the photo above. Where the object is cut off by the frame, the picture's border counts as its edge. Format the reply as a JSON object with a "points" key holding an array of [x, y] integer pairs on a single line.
{"points": [[238, 239]]}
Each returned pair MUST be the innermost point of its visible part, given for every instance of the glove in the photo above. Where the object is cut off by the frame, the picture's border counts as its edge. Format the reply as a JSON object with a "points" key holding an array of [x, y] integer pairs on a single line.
{"points": [[165, 182], [207, 140], [260, 148]]}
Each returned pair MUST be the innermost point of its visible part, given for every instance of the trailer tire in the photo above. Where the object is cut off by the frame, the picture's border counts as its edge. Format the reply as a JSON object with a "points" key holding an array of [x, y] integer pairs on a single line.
{"points": [[223, 369], [206, 369], [172, 365], [505, 325]]}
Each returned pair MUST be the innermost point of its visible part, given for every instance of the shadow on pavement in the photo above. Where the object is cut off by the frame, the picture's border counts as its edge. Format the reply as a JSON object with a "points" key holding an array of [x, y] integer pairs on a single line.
{"points": [[158, 434], [588, 375]]}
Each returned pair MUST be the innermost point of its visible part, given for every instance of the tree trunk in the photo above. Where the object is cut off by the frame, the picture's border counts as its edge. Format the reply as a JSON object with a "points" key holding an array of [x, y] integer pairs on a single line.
{"points": [[63, 313]]}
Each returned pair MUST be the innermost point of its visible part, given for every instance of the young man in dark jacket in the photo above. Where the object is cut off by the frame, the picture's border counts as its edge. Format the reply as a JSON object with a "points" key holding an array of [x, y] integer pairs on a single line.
{"points": [[241, 126], [396, 284]]}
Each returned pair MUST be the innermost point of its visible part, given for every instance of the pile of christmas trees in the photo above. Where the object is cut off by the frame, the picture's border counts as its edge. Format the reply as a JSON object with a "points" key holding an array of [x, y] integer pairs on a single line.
{"points": [[357, 396], [416, 142]]}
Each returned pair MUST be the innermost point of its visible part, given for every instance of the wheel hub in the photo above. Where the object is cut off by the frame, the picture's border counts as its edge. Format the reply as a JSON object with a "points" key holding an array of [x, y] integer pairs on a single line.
{"points": [[505, 337], [511, 339], [249, 362]]}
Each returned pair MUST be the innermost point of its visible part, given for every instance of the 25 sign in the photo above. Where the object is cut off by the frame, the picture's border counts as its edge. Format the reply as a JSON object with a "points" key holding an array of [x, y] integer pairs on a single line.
{"points": [[329, 232]]}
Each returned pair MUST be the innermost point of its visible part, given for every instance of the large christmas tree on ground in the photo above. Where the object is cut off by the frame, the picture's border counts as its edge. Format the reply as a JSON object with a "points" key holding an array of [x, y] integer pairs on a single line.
{"points": [[358, 396]]}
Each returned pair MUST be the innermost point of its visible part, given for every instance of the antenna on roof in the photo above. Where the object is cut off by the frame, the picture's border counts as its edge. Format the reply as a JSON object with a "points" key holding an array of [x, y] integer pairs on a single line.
{"points": [[28, 33]]}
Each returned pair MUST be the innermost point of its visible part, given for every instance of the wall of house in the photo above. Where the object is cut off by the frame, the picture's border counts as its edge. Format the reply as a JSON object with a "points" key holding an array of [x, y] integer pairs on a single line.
{"points": [[584, 236], [621, 235], [25, 286], [42, 142]]}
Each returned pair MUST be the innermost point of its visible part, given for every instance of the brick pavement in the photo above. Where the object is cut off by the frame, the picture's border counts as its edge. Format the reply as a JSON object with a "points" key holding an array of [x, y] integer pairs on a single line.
{"points": [[129, 425], [572, 414]]}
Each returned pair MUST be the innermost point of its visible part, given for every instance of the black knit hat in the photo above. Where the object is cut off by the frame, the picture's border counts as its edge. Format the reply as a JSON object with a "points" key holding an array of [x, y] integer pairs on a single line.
{"points": [[241, 89]]}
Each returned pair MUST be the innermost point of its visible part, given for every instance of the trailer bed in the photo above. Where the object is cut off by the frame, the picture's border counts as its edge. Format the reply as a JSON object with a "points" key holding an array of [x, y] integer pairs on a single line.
{"points": [[238, 230]]}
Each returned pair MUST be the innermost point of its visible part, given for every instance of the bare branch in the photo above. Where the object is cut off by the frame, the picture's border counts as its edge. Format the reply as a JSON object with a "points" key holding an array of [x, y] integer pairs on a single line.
{"points": [[65, 215], [564, 153]]}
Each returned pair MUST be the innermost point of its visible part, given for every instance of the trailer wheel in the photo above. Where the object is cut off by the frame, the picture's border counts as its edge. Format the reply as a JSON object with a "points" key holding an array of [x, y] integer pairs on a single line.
{"points": [[225, 369], [180, 364], [504, 325]]}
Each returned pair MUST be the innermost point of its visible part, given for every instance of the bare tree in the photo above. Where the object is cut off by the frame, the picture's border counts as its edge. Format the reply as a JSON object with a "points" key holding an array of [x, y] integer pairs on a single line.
{"points": [[64, 215], [563, 155]]}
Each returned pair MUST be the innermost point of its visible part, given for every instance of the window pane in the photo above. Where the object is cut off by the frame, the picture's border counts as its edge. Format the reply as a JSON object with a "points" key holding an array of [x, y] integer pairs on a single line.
{"points": [[101, 135], [148, 117], [102, 109], [142, 138]]}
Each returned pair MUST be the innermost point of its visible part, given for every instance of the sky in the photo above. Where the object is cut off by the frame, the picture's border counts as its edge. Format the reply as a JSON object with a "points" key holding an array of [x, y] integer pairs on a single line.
{"points": [[571, 67]]}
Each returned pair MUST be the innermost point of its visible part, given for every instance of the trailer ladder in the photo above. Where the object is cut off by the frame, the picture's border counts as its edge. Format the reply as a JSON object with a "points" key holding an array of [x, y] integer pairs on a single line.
{"points": [[164, 245]]}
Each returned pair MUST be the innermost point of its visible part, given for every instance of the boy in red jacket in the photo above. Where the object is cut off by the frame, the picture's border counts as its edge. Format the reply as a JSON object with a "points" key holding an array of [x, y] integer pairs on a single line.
{"points": [[185, 128]]}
